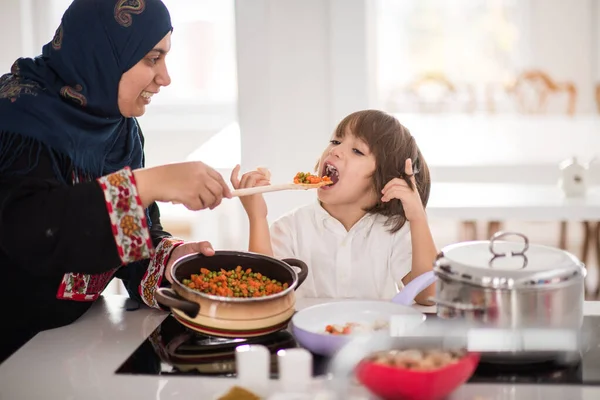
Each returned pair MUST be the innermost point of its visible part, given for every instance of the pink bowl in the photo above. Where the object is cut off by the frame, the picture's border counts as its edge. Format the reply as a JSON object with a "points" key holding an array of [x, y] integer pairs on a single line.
{"points": [[394, 383]]}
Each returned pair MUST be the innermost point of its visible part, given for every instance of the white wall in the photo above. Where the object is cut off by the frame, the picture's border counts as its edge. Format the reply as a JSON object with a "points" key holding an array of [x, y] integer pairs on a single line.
{"points": [[563, 41], [302, 66], [11, 27]]}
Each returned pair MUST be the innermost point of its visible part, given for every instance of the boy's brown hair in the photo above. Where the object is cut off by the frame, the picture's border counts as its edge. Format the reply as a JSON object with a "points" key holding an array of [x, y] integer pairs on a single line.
{"points": [[391, 144]]}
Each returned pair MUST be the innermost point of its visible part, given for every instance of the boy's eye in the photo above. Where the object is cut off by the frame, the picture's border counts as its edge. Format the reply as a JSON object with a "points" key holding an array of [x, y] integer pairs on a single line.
{"points": [[335, 142], [357, 151]]}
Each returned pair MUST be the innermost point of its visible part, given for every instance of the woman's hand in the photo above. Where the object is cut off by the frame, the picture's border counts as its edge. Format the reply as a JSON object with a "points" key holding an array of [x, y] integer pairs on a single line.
{"points": [[254, 205], [397, 188], [185, 249], [193, 184]]}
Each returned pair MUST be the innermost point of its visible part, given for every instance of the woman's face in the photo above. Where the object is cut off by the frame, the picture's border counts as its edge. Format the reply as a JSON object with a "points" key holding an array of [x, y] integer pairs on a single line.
{"points": [[144, 79]]}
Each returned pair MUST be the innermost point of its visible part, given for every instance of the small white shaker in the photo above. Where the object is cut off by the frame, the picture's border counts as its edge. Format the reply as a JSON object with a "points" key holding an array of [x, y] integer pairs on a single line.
{"points": [[295, 369], [253, 365]]}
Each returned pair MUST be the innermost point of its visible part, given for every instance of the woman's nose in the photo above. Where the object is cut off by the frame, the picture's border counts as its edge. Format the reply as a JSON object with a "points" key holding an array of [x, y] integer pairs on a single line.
{"points": [[163, 78]]}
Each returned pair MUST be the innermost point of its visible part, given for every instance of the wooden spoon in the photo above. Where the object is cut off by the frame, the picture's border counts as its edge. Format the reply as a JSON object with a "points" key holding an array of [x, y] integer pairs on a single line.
{"points": [[277, 188], [274, 188]]}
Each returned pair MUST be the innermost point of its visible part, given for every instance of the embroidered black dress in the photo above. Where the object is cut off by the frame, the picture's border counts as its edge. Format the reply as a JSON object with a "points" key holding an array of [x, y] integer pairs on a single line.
{"points": [[71, 218], [60, 246]]}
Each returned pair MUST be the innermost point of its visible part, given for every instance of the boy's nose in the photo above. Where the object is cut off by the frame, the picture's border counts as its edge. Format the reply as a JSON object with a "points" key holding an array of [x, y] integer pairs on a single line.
{"points": [[336, 152]]}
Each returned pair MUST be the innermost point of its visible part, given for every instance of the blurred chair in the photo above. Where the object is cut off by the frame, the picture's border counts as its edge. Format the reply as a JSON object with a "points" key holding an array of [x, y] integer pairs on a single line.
{"points": [[432, 93], [533, 88]]}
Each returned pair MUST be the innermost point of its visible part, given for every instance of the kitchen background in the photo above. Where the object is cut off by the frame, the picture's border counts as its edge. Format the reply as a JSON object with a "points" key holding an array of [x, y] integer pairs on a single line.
{"points": [[264, 82]]}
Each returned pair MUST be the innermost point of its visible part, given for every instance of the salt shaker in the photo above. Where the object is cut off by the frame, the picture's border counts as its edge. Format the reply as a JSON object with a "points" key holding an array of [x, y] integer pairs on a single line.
{"points": [[295, 369], [253, 365]]}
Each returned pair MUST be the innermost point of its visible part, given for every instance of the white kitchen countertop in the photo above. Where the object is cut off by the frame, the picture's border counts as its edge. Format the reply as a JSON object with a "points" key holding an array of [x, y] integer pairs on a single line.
{"points": [[79, 362]]}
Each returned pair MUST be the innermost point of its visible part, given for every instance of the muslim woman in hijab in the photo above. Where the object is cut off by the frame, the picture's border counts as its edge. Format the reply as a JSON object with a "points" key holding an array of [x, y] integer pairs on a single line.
{"points": [[77, 206]]}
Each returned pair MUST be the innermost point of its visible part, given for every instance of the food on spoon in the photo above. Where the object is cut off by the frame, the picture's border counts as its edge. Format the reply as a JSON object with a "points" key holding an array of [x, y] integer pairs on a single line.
{"points": [[308, 178], [239, 393], [355, 327], [417, 360], [234, 283]]}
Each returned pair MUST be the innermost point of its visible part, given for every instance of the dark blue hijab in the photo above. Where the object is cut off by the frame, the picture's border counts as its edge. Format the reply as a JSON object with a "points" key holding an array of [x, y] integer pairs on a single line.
{"points": [[66, 99]]}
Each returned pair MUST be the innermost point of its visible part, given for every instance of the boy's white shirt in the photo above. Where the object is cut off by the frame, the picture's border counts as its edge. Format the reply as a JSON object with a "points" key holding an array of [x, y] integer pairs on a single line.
{"points": [[367, 262]]}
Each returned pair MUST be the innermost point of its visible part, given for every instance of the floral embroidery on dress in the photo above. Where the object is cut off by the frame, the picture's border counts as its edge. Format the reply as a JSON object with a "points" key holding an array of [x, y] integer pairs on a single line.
{"points": [[156, 270], [128, 219], [12, 86], [83, 287], [58, 38], [71, 93], [124, 9], [127, 216]]}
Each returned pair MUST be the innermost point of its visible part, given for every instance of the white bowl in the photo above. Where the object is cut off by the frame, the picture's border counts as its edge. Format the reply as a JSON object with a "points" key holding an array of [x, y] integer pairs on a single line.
{"points": [[308, 325]]}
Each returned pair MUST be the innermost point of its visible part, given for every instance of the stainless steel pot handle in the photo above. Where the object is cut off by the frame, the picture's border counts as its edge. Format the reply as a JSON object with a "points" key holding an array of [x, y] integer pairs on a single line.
{"points": [[457, 306], [498, 235]]}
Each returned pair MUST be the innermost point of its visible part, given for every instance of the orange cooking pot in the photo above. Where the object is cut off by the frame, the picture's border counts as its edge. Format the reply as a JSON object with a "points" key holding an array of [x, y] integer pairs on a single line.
{"points": [[233, 316]]}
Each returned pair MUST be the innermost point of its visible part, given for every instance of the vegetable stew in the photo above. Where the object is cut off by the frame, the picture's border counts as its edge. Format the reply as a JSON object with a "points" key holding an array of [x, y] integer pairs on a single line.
{"points": [[307, 177], [234, 283]]}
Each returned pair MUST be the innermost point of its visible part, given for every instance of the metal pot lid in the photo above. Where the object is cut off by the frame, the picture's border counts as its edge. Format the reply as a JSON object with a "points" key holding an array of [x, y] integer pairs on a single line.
{"points": [[506, 264]]}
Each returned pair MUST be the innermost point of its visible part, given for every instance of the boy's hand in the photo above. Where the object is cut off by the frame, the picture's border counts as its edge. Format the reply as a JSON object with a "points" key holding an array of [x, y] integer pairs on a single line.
{"points": [[397, 188], [254, 205]]}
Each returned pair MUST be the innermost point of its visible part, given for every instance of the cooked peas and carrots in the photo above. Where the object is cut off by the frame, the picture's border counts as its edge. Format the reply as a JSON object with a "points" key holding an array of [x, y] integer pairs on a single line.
{"points": [[306, 177], [335, 330], [234, 283]]}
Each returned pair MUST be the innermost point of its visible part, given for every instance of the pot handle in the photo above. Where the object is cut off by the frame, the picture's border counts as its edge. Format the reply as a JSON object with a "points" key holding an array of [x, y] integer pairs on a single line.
{"points": [[303, 269], [414, 287], [168, 297]]}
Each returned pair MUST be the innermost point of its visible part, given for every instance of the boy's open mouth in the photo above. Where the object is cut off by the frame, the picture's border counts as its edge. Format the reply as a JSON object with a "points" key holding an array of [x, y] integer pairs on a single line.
{"points": [[331, 171]]}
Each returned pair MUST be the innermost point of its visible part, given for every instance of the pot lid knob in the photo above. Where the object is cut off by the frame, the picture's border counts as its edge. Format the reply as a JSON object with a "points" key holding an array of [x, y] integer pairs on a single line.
{"points": [[499, 235]]}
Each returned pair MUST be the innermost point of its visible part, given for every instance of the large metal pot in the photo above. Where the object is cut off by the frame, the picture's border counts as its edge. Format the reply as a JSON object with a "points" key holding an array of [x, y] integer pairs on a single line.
{"points": [[233, 316], [510, 301], [507, 284]]}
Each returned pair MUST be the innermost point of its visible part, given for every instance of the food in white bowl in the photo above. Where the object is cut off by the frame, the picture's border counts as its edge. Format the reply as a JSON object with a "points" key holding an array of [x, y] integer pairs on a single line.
{"points": [[351, 328]]}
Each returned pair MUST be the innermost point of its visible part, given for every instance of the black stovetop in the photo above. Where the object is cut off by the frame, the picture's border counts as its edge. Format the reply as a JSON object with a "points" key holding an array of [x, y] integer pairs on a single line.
{"points": [[173, 349]]}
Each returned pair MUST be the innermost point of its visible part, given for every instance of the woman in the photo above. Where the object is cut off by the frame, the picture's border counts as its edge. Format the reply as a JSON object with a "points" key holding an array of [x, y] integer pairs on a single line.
{"points": [[77, 206]]}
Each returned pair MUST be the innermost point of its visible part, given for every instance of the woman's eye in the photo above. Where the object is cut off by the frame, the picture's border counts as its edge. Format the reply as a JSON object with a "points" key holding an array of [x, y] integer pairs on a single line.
{"points": [[356, 151], [153, 60], [335, 142]]}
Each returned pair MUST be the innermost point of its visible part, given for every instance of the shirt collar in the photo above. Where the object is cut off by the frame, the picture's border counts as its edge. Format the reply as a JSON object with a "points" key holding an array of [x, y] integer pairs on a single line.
{"points": [[325, 220]]}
